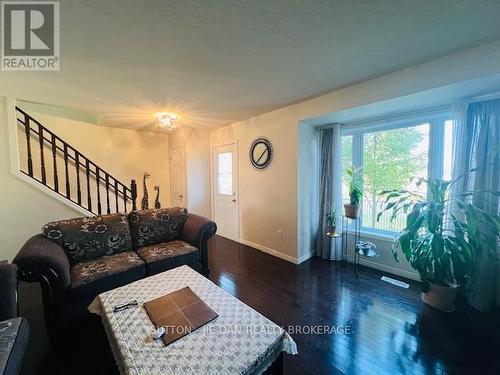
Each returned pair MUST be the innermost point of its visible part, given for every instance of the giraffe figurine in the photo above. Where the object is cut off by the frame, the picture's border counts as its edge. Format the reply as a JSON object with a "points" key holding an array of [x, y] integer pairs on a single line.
{"points": [[157, 200], [145, 202]]}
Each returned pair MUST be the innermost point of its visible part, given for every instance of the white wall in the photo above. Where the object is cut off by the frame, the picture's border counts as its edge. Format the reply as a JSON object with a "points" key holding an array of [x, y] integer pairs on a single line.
{"points": [[265, 204], [125, 154], [307, 189], [277, 197]]}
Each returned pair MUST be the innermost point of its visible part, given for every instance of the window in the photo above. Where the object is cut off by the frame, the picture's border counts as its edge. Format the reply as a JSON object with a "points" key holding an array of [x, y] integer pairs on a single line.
{"points": [[225, 173], [393, 156], [448, 142], [391, 159]]}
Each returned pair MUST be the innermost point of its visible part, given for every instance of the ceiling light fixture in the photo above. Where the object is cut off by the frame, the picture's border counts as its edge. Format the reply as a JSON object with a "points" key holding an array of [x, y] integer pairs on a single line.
{"points": [[166, 120]]}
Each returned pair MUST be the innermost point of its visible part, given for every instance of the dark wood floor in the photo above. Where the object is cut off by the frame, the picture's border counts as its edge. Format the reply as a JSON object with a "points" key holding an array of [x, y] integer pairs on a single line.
{"points": [[388, 330]]}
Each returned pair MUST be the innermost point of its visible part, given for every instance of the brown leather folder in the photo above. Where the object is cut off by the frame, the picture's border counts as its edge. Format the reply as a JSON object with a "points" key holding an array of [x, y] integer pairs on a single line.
{"points": [[180, 312]]}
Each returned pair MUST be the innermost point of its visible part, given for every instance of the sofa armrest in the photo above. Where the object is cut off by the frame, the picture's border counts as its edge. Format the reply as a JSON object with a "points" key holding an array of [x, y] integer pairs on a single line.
{"points": [[197, 231], [41, 256], [8, 291]]}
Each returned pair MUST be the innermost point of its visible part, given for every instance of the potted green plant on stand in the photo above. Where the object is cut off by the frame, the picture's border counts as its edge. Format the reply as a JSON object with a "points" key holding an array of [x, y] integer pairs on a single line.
{"points": [[442, 233], [351, 209], [331, 222]]}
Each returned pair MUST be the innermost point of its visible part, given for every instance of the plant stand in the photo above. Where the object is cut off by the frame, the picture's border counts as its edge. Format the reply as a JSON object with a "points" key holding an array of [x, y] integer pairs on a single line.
{"points": [[354, 225], [357, 247]]}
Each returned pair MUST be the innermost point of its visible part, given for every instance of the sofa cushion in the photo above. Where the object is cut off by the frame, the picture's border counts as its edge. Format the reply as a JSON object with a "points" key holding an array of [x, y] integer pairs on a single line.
{"points": [[91, 237], [108, 272], [14, 335], [167, 255], [151, 227]]}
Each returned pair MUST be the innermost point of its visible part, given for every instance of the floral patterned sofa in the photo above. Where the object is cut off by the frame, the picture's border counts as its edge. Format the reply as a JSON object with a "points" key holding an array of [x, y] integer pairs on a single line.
{"points": [[77, 259]]}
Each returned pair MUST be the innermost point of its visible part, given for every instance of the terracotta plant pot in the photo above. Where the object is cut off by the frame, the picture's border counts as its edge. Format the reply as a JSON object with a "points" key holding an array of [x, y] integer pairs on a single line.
{"points": [[351, 211], [441, 298]]}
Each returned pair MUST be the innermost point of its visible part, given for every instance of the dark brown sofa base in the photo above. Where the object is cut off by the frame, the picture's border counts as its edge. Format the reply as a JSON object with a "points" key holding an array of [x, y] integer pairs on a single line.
{"points": [[153, 268]]}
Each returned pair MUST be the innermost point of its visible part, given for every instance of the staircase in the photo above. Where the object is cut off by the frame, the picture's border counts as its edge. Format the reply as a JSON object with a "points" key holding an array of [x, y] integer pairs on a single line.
{"points": [[52, 162]]}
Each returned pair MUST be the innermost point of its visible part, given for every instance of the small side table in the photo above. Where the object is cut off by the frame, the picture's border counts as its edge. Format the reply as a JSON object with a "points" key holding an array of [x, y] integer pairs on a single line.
{"points": [[333, 238]]}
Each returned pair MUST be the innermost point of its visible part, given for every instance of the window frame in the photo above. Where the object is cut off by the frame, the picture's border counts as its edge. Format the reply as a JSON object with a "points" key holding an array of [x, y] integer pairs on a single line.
{"points": [[436, 121]]}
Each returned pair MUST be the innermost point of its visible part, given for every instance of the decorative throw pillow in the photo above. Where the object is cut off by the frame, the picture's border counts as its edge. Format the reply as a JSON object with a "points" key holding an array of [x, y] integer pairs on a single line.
{"points": [[151, 227], [91, 237]]}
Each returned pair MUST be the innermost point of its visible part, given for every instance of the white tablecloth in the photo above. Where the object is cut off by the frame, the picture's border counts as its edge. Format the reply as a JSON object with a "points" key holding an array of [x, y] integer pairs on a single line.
{"points": [[239, 341]]}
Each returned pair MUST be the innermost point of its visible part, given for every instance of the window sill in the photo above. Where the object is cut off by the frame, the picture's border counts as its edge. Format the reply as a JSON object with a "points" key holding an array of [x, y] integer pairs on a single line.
{"points": [[376, 235]]}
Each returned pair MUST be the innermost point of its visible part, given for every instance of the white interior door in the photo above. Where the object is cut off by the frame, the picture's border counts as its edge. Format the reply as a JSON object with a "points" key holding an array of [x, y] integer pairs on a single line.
{"points": [[225, 191], [177, 180]]}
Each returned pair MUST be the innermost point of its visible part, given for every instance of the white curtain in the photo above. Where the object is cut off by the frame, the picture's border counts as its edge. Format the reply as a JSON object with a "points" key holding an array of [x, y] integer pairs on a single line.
{"points": [[336, 252], [330, 194], [460, 158], [476, 144], [323, 247]]}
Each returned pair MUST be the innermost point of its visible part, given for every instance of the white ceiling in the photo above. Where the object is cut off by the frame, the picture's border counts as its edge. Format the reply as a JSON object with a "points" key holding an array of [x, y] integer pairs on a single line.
{"points": [[216, 62]]}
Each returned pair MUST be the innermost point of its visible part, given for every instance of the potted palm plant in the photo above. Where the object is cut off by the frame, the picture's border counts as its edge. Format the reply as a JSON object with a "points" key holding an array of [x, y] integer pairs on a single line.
{"points": [[442, 233], [331, 221], [351, 209]]}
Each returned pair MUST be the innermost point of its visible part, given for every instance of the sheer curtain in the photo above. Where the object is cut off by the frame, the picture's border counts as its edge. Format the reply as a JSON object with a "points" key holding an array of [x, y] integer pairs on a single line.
{"points": [[330, 191], [476, 145]]}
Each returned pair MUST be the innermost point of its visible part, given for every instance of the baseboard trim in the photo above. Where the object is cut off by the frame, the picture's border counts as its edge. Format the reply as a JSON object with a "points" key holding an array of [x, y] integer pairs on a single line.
{"points": [[389, 269], [270, 251], [385, 268], [303, 258]]}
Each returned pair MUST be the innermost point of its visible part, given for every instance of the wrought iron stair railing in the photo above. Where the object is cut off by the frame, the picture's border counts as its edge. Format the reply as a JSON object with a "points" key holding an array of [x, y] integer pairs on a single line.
{"points": [[83, 182]]}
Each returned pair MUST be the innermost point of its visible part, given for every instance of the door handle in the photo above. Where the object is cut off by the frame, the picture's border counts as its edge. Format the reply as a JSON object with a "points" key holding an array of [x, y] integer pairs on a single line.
{"points": [[234, 201], [181, 196]]}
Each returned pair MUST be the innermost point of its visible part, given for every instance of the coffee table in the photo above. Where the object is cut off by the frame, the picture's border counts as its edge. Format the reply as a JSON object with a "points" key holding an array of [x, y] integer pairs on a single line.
{"points": [[239, 341]]}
